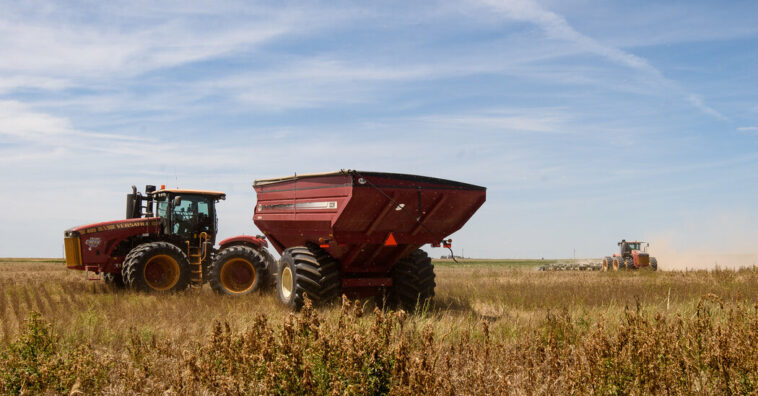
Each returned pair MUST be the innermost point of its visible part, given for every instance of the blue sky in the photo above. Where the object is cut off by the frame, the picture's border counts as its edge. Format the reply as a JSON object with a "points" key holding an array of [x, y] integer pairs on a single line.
{"points": [[588, 121]]}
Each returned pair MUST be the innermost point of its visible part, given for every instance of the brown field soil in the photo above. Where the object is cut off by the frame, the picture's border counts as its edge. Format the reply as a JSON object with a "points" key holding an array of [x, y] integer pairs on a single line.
{"points": [[495, 327]]}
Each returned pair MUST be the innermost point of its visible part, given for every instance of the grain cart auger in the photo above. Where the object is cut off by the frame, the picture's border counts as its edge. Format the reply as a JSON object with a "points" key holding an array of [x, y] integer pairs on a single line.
{"points": [[166, 243], [360, 233], [631, 255]]}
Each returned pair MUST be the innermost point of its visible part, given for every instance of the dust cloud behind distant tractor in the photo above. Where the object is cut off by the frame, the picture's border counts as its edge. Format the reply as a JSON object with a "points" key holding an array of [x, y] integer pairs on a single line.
{"points": [[632, 255]]}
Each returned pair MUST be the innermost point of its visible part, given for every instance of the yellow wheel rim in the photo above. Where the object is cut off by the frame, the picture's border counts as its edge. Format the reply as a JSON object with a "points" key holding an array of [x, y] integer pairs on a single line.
{"points": [[161, 272], [238, 275], [287, 284], [605, 265], [615, 265]]}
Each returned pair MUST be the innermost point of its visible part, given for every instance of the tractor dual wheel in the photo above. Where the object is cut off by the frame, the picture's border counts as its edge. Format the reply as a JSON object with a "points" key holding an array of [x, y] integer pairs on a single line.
{"points": [[413, 281], [607, 263], [237, 270], [272, 269], [618, 263], [307, 272], [156, 267], [653, 264], [629, 264]]}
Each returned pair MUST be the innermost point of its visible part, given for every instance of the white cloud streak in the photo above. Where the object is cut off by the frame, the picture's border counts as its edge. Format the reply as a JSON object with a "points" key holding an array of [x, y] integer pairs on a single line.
{"points": [[697, 101], [557, 27]]}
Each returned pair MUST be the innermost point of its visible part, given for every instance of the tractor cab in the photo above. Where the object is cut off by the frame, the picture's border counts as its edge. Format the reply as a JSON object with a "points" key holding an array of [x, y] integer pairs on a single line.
{"points": [[632, 248], [187, 213]]}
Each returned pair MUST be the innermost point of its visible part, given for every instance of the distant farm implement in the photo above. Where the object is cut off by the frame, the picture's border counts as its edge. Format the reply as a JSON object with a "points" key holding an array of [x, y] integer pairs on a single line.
{"points": [[632, 255]]}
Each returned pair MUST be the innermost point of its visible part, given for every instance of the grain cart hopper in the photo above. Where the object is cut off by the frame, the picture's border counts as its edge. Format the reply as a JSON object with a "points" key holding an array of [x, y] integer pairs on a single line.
{"points": [[359, 233], [631, 255], [166, 243]]}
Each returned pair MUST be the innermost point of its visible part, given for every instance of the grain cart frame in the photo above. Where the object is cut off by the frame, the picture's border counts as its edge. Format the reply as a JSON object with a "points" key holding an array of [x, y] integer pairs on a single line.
{"points": [[166, 243], [632, 255], [360, 233]]}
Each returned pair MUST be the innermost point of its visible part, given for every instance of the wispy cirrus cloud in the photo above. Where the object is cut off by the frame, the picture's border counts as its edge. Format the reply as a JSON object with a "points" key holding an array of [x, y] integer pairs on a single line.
{"points": [[557, 27], [698, 102]]}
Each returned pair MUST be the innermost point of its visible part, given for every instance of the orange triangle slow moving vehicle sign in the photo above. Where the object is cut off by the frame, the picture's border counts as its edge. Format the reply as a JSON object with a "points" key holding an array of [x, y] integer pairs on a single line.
{"points": [[390, 241]]}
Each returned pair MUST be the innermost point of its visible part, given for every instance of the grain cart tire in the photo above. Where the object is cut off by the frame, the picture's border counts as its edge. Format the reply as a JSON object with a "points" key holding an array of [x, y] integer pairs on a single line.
{"points": [[413, 281], [617, 263], [653, 264], [607, 263], [156, 267], [310, 272], [629, 263], [114, 280], [237, 270]]}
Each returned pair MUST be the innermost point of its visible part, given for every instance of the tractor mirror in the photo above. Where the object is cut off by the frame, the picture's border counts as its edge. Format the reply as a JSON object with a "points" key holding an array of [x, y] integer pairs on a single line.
{"points": [[177, 200]]}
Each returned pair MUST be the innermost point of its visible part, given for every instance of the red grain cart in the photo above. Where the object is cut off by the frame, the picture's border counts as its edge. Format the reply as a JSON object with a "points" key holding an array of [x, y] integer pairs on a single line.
{"points": [[359, 233]]}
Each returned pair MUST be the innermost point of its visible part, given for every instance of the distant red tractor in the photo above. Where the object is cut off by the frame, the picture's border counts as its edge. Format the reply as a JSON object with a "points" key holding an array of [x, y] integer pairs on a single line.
{"points": [[631, 256], [166, 243]]}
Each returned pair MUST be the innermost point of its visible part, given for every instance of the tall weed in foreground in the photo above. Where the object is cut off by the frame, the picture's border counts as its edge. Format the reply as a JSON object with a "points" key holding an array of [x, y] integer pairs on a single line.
{"points": [[34, 363], [350, 351]]}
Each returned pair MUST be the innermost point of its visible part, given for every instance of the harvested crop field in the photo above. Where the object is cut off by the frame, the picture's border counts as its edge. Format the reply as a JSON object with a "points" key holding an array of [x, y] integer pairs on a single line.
{"points": [[496, 327]]}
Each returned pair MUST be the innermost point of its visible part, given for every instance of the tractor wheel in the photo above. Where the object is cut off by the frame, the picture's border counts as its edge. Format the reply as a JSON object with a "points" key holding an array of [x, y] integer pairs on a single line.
{"points": [[237, 270], [305, 271], [156, 267], [114, 280], [653, 264], [272, 269], [607, 264], [629, 263], [413, 281], [617, 263]]}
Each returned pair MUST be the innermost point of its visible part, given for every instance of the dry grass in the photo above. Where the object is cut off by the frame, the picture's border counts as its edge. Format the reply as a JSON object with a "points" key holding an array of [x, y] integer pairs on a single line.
{"points": [[494, 329]]}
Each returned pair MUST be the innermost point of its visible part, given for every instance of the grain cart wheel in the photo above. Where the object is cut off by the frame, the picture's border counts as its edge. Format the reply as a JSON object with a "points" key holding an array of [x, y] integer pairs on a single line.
{"points": [[114, 280], [305, 271], [653, 264], [156, 267], [607, 263], [617, 263], [237, 270], [413, 281]]}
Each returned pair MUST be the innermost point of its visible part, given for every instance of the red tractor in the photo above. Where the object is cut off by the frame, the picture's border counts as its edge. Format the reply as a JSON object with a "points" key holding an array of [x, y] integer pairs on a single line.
{"points": [[631, 256], [166, 243]]}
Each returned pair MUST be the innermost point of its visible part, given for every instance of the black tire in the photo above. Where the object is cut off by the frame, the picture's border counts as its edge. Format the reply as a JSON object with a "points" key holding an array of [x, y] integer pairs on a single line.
{"points": [[114, 280], [237, 270], [607, 263], [629, 263], [307, 271], [413, 281], [159, 267], [618, 263], [653, 264], [272, 269]]}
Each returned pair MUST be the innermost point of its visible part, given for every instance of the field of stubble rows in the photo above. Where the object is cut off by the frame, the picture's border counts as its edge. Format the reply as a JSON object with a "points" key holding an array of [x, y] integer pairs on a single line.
{"points": [[496, 327]]}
